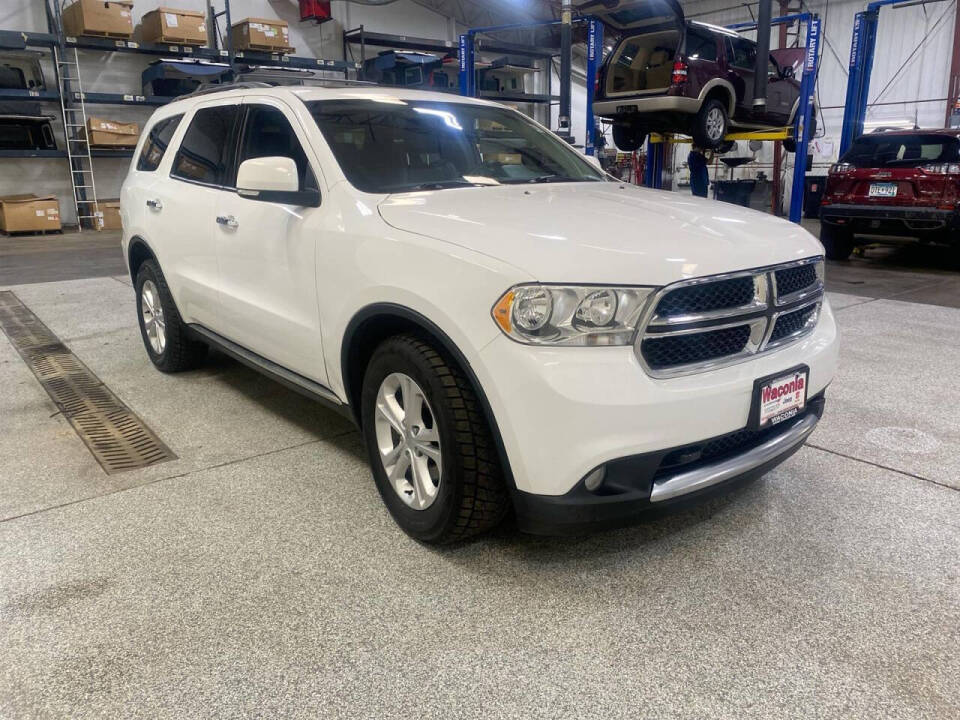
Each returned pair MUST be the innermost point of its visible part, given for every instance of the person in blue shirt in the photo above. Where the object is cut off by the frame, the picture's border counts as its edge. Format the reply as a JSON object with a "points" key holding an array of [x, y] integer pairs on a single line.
{"points": [[698, 161]]}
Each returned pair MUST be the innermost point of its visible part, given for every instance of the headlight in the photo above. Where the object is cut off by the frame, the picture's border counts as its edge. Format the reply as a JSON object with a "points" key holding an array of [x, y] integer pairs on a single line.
{"points": [[571, 314]]}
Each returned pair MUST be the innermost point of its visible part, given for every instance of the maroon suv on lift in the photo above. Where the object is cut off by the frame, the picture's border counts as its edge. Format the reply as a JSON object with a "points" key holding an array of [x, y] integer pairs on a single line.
{"points": [[666, 74], [904, 182]]}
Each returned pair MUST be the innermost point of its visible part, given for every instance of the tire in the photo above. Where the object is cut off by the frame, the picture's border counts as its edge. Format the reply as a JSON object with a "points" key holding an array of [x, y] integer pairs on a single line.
{"points": [[837, 242], [710, 124], [469, 494], [628, 138], [177, 351]]}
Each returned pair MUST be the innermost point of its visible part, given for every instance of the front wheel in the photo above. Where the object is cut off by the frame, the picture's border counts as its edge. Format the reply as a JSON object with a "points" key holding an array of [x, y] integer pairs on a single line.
{"points": [[165, 335], [710, 125], [837, 242], [431, 450], [628, 138]]}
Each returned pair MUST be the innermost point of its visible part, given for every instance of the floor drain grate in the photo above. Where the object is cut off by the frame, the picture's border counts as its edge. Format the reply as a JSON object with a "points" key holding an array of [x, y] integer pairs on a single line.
{"points": [[118, 439]]}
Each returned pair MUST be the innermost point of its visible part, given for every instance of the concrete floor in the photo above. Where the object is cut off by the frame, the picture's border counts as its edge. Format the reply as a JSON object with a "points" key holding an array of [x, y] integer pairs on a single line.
{"points": [[259, 574]]}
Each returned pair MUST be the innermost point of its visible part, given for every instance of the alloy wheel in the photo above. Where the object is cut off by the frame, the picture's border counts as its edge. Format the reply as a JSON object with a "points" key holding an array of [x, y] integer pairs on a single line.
{"points": [[715, 124], [408, 440], [153, 322]]}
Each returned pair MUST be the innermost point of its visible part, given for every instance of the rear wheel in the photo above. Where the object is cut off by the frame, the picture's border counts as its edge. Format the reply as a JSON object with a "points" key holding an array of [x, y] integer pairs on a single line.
{"points": [[837, 242], [790, 144], [628, 138], [431, 451], [710, 124]]}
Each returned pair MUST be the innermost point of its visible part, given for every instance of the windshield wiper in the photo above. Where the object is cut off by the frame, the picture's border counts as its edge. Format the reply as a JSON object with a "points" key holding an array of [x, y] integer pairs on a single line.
{"points": [[541, 179], [439, 185]]}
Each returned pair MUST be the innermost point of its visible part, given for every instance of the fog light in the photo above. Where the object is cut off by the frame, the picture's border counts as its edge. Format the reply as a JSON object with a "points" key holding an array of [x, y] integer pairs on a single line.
{"points": [[595, 479]]}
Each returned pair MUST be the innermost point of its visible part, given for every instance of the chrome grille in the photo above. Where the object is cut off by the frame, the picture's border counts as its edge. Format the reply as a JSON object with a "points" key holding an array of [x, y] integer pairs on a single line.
{"points": [[722, 295], [703, 323]]}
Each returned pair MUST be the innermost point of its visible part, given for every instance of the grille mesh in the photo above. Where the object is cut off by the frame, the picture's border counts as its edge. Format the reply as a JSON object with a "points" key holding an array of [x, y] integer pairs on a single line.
{"points": [[672, 350], [795, 279], [791, 322], [118, 439], [720, 295]]}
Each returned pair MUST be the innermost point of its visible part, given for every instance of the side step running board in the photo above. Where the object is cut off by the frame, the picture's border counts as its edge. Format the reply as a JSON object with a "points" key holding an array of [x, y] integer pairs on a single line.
{"points": [[297, 383]]}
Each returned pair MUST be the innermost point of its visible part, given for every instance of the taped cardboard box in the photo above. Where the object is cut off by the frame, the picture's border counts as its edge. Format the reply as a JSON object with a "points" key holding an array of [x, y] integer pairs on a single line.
{"points": [[111, 215], [29, 213], [173, 25], [262, 35], [108, 133], [113, 18]]}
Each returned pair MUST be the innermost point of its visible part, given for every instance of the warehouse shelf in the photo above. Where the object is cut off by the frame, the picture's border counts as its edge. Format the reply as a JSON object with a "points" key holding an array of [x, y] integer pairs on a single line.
{"points": [[518, 97], [122, 99], [111, 152], [29, 95], [33, 154], [359, 36]]}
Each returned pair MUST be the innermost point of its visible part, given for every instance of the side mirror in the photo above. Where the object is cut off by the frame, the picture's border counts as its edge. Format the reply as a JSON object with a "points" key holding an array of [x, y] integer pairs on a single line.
{"points": [[787, 72], [274, 179]]}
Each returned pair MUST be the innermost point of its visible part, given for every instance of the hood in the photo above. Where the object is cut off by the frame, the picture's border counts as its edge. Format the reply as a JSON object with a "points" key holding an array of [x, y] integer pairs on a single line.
{"points": [[601, 232]]}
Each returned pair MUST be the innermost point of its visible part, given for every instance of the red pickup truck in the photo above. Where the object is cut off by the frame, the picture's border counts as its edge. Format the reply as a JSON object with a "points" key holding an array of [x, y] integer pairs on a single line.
{"points": [[903, 182]]}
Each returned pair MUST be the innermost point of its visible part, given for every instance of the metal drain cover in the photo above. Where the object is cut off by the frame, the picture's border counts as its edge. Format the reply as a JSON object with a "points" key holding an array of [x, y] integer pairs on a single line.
{"points": [[118, 439]]}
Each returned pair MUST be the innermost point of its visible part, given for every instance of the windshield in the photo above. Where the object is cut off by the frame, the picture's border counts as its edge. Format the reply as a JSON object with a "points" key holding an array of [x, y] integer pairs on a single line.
{"points": [[407, 145], [879, 151]]}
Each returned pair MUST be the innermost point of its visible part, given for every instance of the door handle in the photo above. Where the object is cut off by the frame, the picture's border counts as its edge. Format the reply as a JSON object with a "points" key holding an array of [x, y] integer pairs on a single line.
{"points": [[155, 204], [227, 221]]}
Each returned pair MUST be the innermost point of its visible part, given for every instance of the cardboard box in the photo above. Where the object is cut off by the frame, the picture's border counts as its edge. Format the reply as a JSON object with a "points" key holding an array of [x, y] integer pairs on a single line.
{"points": [[173, 25], [108, 133], [113, 18], [111, 215], [29, 213], [263, 35]]}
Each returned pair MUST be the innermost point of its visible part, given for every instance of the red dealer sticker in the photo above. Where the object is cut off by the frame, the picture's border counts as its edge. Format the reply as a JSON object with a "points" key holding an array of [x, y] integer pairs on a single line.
{"points": [[782, 398]]}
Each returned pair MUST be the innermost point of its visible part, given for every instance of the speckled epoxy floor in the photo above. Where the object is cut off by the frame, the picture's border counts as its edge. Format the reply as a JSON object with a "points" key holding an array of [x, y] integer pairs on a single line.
{"points": [[259, 575]]}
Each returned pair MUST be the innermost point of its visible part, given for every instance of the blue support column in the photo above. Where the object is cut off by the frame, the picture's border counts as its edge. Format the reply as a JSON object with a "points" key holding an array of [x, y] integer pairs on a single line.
{"points": [[862, 47], [467, 74], [807, 89], [594, 60], [653, 170]]}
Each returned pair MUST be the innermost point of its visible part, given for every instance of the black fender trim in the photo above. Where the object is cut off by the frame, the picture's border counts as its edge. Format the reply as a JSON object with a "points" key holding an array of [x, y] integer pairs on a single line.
{"points": [[405, 313]]}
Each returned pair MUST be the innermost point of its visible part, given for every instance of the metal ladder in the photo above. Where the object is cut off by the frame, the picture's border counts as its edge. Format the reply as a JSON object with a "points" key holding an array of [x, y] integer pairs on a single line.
{"points": [[78, 146]]}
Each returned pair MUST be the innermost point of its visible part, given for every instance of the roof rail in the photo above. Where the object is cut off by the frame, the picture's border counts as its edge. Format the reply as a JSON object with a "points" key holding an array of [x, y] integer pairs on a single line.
{"points": [[209, 88]]}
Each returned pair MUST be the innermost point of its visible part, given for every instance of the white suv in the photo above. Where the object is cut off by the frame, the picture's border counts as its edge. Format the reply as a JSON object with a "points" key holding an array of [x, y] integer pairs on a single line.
{"points": [[510, 328]]}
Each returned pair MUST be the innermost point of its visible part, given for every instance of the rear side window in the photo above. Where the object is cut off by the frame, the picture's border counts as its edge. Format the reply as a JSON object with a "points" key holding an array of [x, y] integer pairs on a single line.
{"points": [[879, 151], [207, 148], [156, 143], [701, 45], [742, 53], [267, 133]]}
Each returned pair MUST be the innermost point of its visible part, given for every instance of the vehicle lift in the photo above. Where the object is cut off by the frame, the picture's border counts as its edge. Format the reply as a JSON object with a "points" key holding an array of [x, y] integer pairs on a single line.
{"points": [[862, 47], [594, 58], [653, 172]]}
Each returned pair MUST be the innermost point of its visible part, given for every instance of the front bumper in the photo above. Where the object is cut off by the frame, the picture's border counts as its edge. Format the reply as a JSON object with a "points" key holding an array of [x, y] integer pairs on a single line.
{"points": [[641, 485], [867, 218], [564, 411]]}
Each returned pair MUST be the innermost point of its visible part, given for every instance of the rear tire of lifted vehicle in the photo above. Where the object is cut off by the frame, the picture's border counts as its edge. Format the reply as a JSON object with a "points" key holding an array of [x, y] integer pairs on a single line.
{"points": [[471, 495], [710, 125], [628, 138], [837, 242], [790, 144], [178, 351]]}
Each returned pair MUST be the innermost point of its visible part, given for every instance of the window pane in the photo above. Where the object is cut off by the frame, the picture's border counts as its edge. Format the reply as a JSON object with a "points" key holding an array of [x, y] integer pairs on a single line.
{"points": [[386, 148], [156, 143], [267, 133], [204, 154], [701, 45], [901, 150], [742, 53]]}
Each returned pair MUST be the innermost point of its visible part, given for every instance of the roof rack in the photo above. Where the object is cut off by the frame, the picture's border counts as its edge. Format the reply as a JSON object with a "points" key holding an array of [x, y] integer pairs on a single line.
{"points": [[209, 88]]}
